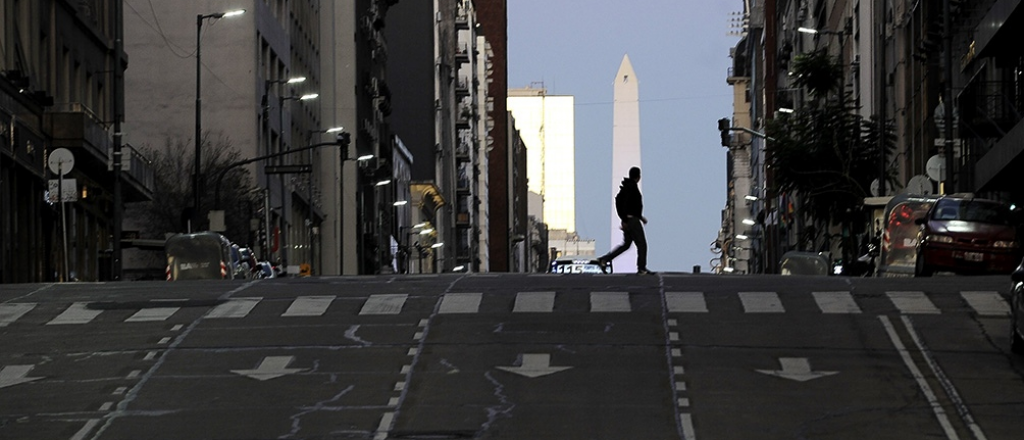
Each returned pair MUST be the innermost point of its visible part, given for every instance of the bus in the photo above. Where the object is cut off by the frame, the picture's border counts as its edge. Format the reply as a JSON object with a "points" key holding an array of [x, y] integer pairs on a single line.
{"points": [[199, 256]]}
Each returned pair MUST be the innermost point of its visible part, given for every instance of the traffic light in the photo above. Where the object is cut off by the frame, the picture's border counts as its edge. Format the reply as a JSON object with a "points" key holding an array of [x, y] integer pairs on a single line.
{"points": [[343, 138], [723, 126]]}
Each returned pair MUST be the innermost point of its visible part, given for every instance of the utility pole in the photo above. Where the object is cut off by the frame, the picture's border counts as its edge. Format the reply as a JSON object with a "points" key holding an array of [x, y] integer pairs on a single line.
{"points": [[947, 59], [118, 107]]}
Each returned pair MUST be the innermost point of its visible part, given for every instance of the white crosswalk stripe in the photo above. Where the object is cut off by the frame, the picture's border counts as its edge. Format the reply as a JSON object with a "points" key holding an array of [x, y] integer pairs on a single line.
{"points": [[987, 303], [912, 303], [11, 312], [460, 303], [384, 304], [309, 306], [534, 302], [686, 302], [234, 308], [983, 303], [761, 302], [155, 314], [836, 302], [77, 313], [609, 302]]}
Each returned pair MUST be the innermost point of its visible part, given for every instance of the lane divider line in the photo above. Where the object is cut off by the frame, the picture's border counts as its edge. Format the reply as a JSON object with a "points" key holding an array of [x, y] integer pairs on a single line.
{"points": [[922, 383]]}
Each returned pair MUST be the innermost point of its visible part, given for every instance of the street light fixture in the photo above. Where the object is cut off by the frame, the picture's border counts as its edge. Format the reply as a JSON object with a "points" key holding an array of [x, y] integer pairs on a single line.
{"points": [[280, 126], [200, 18]]}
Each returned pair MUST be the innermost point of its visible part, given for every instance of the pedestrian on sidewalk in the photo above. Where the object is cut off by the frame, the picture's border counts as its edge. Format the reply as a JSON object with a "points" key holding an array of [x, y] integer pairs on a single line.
{"points": [[629, 205]]}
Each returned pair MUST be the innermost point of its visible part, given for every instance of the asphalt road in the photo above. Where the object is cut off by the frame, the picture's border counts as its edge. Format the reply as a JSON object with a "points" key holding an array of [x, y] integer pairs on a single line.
{"points": [[670, 356]]}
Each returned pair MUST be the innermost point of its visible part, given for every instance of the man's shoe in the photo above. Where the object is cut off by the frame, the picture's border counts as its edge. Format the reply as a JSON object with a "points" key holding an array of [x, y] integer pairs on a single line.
{"points": [[644, 272]]}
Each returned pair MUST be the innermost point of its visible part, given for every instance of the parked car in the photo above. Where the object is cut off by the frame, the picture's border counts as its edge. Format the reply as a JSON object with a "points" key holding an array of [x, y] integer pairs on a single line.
{"points": [[264, 270], [967, 235], [804, 263], [248, 262], [578, 264], [1017, 310]]}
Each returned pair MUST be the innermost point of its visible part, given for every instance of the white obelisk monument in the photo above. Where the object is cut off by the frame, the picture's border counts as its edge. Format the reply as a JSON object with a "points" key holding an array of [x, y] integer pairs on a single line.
{"points": [[625, 150]]}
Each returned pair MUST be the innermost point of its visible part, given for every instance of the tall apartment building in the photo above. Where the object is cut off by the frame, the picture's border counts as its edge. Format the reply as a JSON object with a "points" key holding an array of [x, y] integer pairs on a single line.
{"points": [[493, 18], [440, 108], [958, 107], [360, 218], [326, 215], [242, 100], [547, 125], [60, 88]]}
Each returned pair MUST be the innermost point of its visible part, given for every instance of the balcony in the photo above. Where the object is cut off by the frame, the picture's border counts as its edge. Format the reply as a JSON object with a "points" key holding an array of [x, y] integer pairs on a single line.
{"points": [[75, 127], [990, 109]]}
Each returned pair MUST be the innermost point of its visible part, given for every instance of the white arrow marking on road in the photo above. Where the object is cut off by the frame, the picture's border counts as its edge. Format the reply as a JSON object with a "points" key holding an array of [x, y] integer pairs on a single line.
{"points": [[15, 374], [271, 367], [534, 365], [798, 369]]}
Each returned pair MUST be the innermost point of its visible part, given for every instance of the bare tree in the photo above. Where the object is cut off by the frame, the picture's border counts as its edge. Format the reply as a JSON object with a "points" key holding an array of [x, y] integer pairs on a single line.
{"points": [[173, 165]]}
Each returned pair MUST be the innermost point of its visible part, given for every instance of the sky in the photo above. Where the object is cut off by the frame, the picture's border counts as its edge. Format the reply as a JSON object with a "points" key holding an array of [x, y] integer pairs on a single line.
{"points": [[680, 52]]}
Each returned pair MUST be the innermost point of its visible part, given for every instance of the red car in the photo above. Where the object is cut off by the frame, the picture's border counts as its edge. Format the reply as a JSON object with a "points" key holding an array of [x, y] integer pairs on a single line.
{"points": [[963, 234]]}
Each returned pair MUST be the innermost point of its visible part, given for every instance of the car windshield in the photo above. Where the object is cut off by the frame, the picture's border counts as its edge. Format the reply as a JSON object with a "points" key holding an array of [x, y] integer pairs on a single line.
{"points": [[972, 211]]}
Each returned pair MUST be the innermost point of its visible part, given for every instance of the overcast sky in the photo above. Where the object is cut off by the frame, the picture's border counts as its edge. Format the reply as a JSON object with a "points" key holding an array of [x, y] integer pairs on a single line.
{"points": [[680, 52]]}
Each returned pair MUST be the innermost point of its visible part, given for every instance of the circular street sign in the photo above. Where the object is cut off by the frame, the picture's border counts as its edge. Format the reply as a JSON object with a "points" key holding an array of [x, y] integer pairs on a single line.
{"points": [[919, 185], [61, 161], [936, 167]]}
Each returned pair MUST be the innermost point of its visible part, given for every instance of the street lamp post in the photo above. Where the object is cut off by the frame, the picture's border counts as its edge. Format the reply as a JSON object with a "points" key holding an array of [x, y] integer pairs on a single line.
{"points": [[268, 148], [196, 197], [309, 192], [280, 124]]}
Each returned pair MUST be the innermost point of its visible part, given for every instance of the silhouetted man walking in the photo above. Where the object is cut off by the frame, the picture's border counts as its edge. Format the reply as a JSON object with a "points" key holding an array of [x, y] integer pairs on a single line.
{"points": [[629, 204]]}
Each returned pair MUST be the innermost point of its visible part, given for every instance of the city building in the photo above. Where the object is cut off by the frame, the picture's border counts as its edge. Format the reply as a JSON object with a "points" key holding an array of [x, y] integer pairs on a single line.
{"points": [[440, 108], [232, 82], [359, 187], [61, 107], [546, 124], [281, 76], [939, 75], [493, 19]]}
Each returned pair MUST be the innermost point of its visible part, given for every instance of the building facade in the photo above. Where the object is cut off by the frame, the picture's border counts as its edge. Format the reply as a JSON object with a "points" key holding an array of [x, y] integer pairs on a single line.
{"points": [[61, 91], [231, 82], [941, 75], [546, 124], [440, 112]]}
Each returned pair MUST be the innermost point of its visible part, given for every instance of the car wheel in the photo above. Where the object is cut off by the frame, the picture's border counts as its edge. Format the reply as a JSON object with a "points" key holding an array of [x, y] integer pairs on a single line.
{"points": [[921, 268]]}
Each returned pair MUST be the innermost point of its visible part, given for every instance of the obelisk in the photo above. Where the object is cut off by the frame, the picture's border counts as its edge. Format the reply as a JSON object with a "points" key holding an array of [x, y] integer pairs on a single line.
{"points": [[625, 150]]}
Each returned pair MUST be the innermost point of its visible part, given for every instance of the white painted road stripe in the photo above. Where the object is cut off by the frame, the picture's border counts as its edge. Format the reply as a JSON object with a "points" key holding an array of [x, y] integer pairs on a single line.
{"points": [[687, 422], [912, 303], [80, 435], [761, 302], [234, 308], [309, 306], [922, 382], [152, 315], [460, 303], [77, 313], [987, 303], [384, 304], [12, 312], [534, 302], [686, 302], [609, 302], [836, 302]]}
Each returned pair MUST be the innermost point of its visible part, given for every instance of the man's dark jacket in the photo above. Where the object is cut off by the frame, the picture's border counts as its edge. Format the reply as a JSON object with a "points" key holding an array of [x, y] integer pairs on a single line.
{"points": [[629, 201]]}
